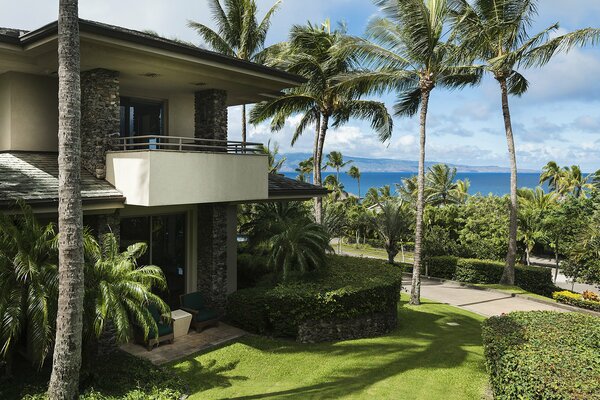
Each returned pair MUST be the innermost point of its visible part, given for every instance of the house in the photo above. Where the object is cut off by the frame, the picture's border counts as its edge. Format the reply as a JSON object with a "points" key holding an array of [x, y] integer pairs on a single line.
{"points": [[157, 165]]}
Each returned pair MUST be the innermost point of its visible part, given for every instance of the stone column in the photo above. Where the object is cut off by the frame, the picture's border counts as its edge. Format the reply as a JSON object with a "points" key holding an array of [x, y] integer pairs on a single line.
{"points": [[210, 112], [100, 117]]}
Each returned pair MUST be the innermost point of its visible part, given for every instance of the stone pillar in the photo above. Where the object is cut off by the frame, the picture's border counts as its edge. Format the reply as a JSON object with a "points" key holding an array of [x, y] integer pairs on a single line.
{"points": [[212, 254], [100, 117], [210, 113]]}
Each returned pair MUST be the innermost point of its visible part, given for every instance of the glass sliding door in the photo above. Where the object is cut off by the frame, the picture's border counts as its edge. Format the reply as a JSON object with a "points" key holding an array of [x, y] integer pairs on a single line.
{"points": [[141, 117], [166, 239]]}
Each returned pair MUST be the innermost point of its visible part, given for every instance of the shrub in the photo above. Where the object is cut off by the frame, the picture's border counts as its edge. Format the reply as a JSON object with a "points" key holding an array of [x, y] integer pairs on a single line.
{"points": [[346, 288], [543, 355], [442, 267], [576, 299], [250, 269], [533, 279]]}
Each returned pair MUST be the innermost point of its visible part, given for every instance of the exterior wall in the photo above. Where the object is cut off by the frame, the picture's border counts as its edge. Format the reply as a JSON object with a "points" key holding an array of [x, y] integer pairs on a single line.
{"points": [[100, 115], [29, 112], [231, 248], [155, 178]]}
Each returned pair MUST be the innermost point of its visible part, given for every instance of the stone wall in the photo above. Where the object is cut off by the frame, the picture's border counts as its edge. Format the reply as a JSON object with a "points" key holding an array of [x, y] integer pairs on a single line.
{"points": [[100, 117], [212, 254], [346, 329], [210, 112]]}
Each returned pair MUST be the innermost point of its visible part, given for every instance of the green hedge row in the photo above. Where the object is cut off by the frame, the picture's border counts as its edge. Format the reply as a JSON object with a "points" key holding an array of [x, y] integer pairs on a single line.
{"points": [[348, 287], [533, 279], [543, 355], [575, 299]]}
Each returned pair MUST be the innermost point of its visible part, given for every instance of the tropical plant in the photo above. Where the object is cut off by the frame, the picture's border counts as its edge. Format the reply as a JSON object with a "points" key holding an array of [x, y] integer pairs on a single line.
{"points": [[354, 173], [313, 52], [336, 187], [440, 186], [552, 174], [391, 220], [375, 196], [238, 33], [496, 31], [461, 191], [119, 291], [28, 285], [335, 160], [583, 261], [574, 182], [64, 380], [533, 205], [274, 163], [410, 57], [305, 168]]}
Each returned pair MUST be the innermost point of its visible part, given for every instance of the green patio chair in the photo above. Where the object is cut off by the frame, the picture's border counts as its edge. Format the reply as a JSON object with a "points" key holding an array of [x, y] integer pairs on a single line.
{"points": [[165, 330], [202, 316]]}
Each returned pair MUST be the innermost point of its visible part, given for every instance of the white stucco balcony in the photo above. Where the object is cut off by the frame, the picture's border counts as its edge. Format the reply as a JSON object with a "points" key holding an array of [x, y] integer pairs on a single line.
{"points": [[159, 171]]}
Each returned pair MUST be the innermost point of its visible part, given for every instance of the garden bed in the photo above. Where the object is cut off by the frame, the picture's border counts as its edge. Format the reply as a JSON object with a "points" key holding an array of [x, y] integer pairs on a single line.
{"points": [[543, 355], [576, 299], [350, 298]]}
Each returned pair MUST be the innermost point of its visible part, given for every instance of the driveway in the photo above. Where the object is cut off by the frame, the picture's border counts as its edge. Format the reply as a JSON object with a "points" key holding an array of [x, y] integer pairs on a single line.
{"points": [[483, 302]]}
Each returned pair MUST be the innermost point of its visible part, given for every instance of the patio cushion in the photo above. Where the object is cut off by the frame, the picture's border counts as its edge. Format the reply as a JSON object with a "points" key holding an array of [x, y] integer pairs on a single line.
{"points": [[194, 301], [206, 314], [163, 328]]}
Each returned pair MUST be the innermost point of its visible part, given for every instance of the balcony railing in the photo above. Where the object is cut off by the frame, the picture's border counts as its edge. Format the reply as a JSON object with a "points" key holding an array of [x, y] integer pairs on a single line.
{"points": [[177, 143]]}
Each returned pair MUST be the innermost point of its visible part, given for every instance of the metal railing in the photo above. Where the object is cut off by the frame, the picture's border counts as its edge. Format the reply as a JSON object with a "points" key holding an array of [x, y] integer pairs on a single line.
{"points": [[179, 143]]}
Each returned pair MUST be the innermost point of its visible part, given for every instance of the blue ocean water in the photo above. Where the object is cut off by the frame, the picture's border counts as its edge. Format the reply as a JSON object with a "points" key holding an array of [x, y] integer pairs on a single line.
{"points": [[481, 182]]}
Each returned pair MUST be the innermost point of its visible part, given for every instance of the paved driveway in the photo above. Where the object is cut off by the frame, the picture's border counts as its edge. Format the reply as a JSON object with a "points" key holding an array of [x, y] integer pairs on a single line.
{"points": [[482, 302]]}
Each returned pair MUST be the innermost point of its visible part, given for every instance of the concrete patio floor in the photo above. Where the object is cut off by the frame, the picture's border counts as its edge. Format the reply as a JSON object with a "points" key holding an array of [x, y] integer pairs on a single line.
{"points": [[187, 345]]}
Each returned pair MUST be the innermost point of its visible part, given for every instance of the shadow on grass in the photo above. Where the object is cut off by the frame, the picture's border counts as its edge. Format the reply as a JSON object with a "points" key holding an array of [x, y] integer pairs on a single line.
{"points": [[423, 340]]}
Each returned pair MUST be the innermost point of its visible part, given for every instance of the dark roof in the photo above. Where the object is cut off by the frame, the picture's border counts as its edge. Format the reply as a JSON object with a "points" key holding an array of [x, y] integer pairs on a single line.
{"points": [[280, 186], [33, 177], [23, 38]]}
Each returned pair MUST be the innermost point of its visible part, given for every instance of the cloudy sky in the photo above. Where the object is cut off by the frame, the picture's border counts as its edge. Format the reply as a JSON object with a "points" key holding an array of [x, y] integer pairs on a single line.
{"points": [[558, 119]]}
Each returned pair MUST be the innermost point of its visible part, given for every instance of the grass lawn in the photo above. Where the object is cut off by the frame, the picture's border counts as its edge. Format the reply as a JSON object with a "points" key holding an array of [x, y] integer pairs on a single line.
{"points": [[425, 358], [364, 250], [514, 290]]}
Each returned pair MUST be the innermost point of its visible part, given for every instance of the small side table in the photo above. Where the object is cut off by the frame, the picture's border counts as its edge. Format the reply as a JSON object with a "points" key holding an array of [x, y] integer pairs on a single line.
{"points": [[181, 323]]}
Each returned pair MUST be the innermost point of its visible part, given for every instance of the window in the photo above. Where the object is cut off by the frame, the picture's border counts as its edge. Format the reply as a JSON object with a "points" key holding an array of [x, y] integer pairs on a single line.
{"points": [[141, 117]]}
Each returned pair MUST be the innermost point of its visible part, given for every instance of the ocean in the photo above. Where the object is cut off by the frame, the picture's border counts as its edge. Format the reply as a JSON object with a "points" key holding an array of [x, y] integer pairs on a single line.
{"points": [[481, 182]]}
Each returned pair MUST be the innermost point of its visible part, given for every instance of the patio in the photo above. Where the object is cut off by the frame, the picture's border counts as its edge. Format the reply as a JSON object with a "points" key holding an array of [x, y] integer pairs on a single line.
{"points": [[184, 346]]}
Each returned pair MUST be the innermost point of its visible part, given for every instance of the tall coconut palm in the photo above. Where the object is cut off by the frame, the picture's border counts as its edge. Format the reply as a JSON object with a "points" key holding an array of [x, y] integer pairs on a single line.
{"points": [[305, 168], [411, 57], [496, 31], [574, 182], [354, 173], [313, 52], [272, 154], [440, 185], [238, 33], [64, 381], [335, 160], [552, 174], [391, 221]]}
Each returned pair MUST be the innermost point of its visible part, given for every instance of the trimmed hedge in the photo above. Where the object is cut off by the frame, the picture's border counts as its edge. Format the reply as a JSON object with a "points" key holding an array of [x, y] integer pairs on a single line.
{"points": [[348, 287], [576, 299], [533, 279], [543, 355]]}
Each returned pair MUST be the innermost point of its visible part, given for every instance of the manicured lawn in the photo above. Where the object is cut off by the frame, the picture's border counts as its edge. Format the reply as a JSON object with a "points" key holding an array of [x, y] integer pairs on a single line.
{"points": [[365, 250], [514, 290], [425, 358]]}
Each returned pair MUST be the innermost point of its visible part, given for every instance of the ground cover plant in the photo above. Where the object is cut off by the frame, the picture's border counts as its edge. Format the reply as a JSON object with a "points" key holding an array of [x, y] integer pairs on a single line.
{"points": [[543, 355], [578, 300], [435, 353]]}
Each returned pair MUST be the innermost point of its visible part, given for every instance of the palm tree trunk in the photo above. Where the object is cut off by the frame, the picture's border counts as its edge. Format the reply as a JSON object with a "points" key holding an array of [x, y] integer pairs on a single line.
{"points": [[415, 293], [508, 276], [64, 381], [317, 166], [244, 123]]}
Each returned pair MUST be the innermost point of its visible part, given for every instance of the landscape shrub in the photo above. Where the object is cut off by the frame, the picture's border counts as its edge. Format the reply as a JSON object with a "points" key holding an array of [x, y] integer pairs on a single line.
{"points": [[533, 279], [348, 287], [250, 269], [543, 355], [576, 299], [442, 267]]}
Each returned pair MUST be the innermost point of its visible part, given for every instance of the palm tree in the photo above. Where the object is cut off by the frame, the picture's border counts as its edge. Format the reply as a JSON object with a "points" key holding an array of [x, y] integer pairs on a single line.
{"points": [[461, 191], [335, 159], [533, 204], [552, 174], [354, 173], [574, 182], [440, 186], [391, 221], [336, 187], [495, 31], [313, 52], [274, 163], [238, 33], [64, 380], [412, 59], [28, 285], [377, 195], [305, 168]]}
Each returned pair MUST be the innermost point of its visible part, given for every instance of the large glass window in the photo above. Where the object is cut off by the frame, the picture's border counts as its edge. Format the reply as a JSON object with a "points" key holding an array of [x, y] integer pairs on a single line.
{"points": [[165, 236], [141, 117]]}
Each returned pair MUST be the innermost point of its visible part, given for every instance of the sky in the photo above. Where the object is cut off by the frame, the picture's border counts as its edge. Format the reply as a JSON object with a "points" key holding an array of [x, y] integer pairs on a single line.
{"points": [[557, 119]]}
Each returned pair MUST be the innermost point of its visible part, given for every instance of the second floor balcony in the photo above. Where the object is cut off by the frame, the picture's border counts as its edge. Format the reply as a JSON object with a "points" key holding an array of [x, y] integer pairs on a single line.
{"points": [[155, 170]]}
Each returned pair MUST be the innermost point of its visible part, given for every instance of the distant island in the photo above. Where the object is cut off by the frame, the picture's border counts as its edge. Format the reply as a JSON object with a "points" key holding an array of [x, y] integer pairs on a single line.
{"points": [[393, 165]]}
